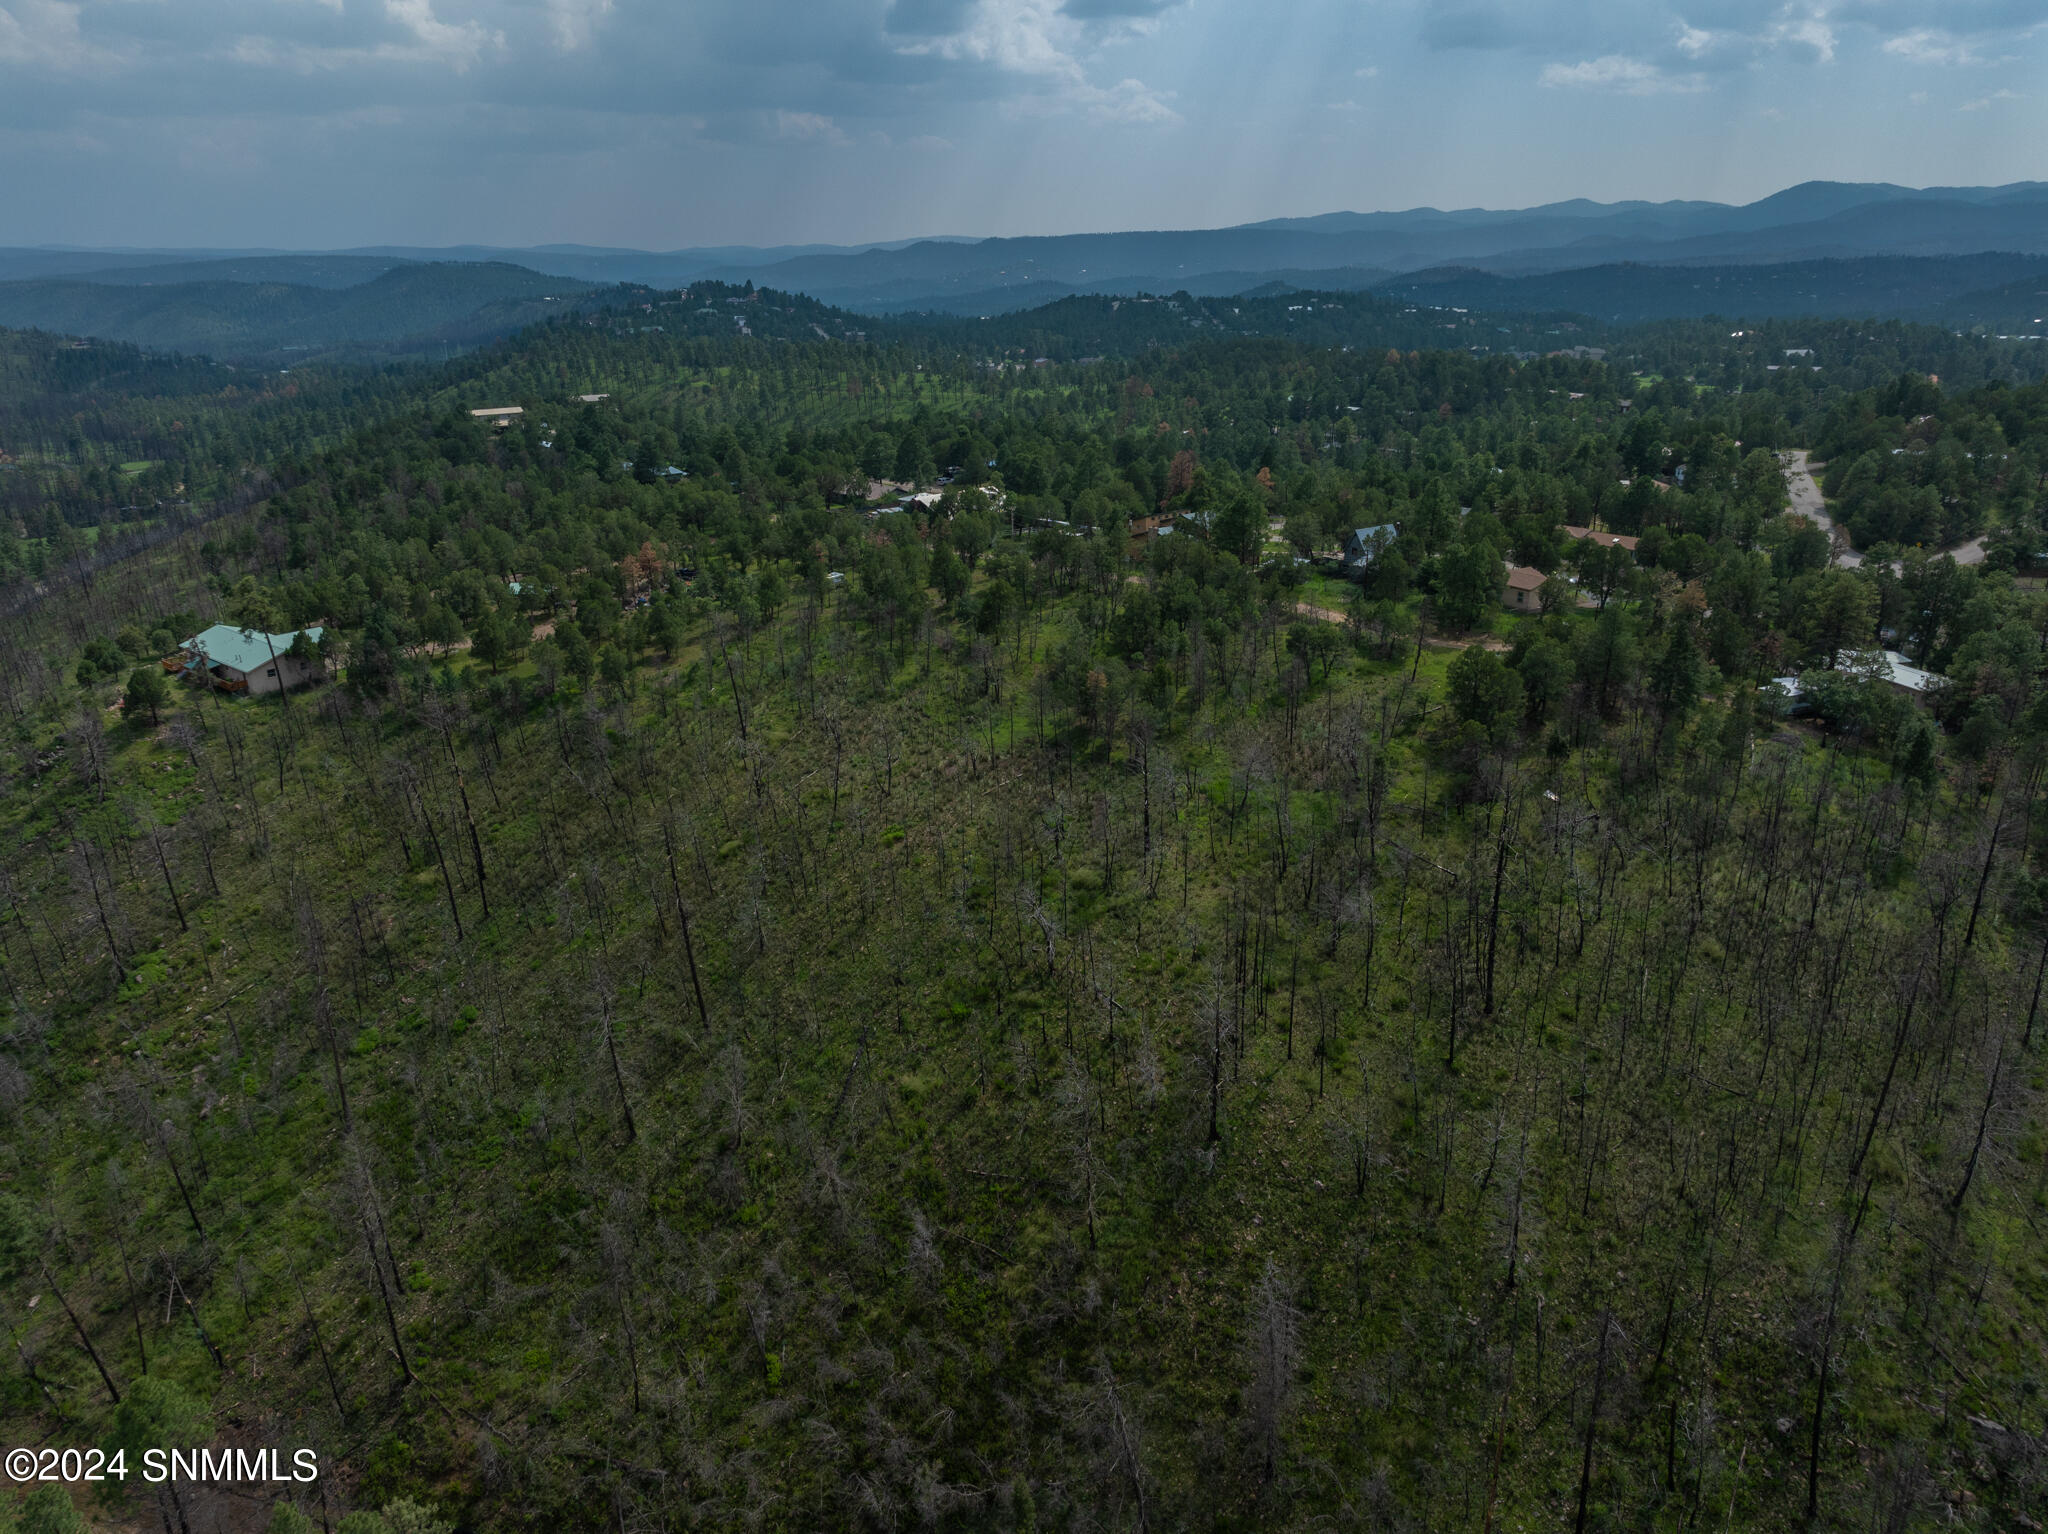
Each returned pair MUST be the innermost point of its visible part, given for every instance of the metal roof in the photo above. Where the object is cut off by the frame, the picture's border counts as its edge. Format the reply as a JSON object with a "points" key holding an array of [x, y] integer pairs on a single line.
{"points": [[1901, 672], [244, 650]]}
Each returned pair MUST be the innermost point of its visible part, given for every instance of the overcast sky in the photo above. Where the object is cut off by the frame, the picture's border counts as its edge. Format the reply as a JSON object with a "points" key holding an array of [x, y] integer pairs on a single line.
{"points": [[666, 123]]}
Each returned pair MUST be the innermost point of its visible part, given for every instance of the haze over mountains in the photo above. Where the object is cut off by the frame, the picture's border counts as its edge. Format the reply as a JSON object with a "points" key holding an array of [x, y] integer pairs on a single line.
{"points": [[402, 309], [1966, 256], [1814, 221]]}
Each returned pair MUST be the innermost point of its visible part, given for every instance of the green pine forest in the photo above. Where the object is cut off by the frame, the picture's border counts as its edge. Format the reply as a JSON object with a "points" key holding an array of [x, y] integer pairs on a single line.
{"points": [[986, 1015]]}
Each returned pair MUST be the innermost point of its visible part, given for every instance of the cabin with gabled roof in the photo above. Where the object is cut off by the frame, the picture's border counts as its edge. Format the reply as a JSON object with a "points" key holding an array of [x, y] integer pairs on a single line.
{"points": [[241, 660]]}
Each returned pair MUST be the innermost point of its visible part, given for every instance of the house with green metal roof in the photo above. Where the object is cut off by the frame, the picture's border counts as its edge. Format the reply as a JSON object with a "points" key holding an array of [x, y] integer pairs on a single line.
{"points": [[248, 660]]}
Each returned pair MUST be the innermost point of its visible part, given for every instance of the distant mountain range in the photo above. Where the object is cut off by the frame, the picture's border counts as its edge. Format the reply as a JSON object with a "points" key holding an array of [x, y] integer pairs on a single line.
{"points": [[587, 263], [1957, 255], [1817, 221]]}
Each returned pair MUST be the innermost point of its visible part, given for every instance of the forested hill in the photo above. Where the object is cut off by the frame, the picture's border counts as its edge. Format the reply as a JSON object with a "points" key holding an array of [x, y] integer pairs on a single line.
{"points": [[1963, 291], [102, 444], [95, 435], [750, 1000], [410, 309]]}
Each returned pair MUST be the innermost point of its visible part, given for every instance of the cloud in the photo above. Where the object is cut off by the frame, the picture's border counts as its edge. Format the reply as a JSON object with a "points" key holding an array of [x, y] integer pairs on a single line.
{"points": [[1619, 75], [1126, 10], [1930, 45], [1730, 34], [411, 34], [865, 62], [1982, 103], [1028, 37], [433, 38], [575, 21], [730, 60], [1813, 32], [1038, 43], [808, 128], [1128, 101], [44, 33], [1805, 28], [1370, 72]]}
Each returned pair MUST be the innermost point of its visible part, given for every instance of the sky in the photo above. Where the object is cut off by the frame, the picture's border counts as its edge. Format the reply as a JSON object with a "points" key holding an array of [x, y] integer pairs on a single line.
{"points": [[662, 124]]}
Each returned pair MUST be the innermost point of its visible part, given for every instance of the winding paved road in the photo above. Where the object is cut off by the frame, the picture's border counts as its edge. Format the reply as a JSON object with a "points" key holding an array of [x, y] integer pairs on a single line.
{"points": [[1808, 502]]}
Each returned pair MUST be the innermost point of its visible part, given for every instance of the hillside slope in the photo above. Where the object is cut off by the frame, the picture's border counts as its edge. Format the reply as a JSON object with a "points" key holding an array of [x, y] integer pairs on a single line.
{"points": [[1057, 1027]]}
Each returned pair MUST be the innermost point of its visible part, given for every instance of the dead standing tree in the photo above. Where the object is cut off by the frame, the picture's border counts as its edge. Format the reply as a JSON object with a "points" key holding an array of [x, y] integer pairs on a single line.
{"points": [[1273, 1348], [313, 956], [1122, 1441]]}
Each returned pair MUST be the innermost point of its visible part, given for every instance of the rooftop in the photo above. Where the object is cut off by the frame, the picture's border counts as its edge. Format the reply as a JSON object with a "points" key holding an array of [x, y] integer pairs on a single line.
{"points": [[1901, 672], [1611, 540], [243, 650]]}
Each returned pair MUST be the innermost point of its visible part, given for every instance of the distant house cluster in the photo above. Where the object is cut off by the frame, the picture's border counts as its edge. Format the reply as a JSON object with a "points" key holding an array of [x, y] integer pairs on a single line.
{"points": [[903, 495]]}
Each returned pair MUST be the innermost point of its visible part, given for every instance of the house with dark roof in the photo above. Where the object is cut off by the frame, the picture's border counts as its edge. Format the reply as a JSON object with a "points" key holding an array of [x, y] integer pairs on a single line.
{"points": [[1520, 591], [1365, 545]]}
